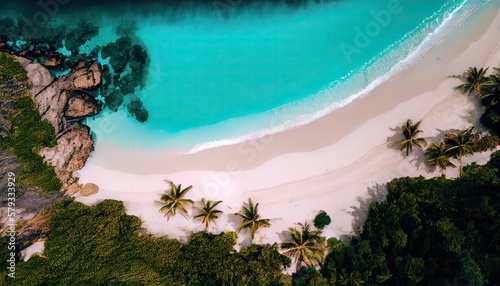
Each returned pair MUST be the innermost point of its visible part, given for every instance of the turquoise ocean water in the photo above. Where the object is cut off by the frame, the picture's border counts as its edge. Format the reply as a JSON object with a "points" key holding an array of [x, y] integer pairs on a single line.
{"points": [[219, 78]]}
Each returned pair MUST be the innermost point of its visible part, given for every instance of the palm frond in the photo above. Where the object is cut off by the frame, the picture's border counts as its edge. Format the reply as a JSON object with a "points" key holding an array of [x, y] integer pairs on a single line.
{"points": [[173, 201]]}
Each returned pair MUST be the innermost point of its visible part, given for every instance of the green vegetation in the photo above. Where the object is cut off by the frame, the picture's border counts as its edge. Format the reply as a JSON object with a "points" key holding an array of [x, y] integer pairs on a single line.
{"points": [[100, 245], [11, 69], [474, 80], [321, 220], [410, 132], [28, 133], [427, 232], [251, 218], [487, 88], [173, 201], [307, 246], [208, 214], [439, 156]]}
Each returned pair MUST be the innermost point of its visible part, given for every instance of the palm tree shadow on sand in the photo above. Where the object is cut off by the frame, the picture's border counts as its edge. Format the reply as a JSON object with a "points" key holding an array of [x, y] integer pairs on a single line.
{"points": [[474, 113], [393, 141], [376, 193]]}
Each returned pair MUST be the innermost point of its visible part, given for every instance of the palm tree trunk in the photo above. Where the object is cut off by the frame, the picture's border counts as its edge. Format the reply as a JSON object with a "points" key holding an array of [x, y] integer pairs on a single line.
{"points": [[460, 172]]}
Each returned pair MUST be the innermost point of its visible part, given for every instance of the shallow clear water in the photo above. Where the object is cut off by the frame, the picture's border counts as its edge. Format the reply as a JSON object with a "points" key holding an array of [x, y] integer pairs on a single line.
{"points": [[217, 80]]}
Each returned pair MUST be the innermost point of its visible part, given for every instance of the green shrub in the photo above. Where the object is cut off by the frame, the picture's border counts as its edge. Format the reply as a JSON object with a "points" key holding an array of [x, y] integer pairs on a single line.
{"points": [[491, 120], [426, 231], [322, 220], [101, 245], [11, 69], [486, 143]]}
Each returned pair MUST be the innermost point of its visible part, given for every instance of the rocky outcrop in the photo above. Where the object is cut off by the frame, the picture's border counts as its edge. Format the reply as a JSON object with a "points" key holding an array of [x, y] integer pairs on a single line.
{"points": [[86, 76], [61, 99], [52, 97], [73, 148], [39, 76], [80, 105], [73, 189], [89, 189], [51, 103]]}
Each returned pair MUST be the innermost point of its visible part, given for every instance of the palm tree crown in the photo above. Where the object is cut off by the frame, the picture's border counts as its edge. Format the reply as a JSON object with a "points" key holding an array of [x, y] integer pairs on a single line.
{"points": [[439, 156], [250, 216], [173, 201], [474, 79], [306, 246], [208, 214], [461, 144], [490, 92], [410, 132]]}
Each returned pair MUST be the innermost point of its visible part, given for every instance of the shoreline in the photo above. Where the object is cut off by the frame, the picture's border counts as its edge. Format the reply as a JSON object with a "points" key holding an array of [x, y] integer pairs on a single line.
{"points": [[321, 165], [306, 138]]}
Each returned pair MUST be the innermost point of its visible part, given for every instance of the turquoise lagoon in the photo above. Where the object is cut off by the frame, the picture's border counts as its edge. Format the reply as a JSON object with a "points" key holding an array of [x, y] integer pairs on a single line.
{"points": [[220, 78]]}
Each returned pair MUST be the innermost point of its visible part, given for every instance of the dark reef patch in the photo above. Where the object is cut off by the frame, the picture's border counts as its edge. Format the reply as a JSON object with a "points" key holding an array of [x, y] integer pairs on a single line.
{"points": [[126, 74], [59, 47]]}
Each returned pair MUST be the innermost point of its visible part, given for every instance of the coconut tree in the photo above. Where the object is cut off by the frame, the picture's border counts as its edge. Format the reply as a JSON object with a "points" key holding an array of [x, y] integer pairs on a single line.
{"points": [[474, 79], [307, 246], [461, 144], [208, 214], [410, 133], [439, 156], [174, 201], [251, 218], [490, 92]]}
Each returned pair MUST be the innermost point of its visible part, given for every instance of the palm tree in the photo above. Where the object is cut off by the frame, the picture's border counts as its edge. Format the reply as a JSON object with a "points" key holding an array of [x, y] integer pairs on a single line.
{"points": [[461, 144], [490, 92], [173, 201], [351, 280], [250, 216], [306, 246], [474, 79], [439, 156], [410, 132], [208, 214]]}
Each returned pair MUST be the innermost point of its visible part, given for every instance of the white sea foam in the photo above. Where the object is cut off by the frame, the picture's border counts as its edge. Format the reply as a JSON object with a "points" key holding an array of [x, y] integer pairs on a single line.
{"points": [[395, 58]]}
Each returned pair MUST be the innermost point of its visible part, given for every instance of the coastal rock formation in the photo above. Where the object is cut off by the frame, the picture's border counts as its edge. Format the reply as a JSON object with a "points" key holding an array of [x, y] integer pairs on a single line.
{"points": [[51, 102], [52, 96], [86, 76], [73, 147], [73, 189], [39, 75], [89, 189], [80, 105], [58, 100]]}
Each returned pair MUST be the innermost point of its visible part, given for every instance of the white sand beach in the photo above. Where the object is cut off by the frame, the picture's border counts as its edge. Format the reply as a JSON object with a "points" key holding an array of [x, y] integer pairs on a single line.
{"points": [[338, 163]]}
